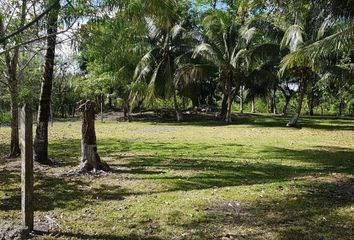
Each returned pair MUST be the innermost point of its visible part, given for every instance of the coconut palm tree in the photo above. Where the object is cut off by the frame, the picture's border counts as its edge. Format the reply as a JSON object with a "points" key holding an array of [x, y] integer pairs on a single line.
{"points": [[325, 44], [225, 43], [158, 67]]}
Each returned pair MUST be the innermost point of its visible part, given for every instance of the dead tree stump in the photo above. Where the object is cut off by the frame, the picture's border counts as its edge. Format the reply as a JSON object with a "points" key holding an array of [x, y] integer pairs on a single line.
{"points": [[90, 160]]}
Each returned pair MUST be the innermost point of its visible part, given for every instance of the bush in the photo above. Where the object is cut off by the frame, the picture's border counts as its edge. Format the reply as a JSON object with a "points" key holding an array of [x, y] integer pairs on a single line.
{"points": [[5, 117]]}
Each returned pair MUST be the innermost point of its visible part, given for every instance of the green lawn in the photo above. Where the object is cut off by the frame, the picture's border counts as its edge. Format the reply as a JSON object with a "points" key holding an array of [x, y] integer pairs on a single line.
{"points": [[254, 179]]}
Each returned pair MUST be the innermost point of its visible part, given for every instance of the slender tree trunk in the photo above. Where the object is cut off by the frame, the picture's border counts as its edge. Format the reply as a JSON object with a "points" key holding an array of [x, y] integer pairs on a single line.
{"points": [[102, 103], [14, 147], [11, 64], [274, 103], [340, 108], [293, 122], [311, 102], [110, 105], [253, 105], [287, 101], [228, 118], [224, 105], [241, 99], [179, 116], [41, 138]]}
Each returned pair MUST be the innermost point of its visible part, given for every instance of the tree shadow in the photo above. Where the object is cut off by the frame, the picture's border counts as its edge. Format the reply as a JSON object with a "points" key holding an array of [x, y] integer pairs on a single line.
{"points": [[3, 150], [308, 215], [337, 159], [53, 192], [94, 237], [259, 120]]}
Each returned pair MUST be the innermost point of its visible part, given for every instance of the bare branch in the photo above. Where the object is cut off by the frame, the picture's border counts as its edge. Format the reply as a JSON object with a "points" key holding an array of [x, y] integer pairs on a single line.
{"points": [[28, 25], [37, 39]]}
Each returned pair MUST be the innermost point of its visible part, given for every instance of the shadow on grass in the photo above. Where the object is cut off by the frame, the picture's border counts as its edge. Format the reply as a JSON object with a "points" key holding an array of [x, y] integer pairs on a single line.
{"points": [[258, 120], [95, 237], [180, 169], [212, 168], [174, 166], [51, 192], [310, 215], [4, 148], [334, 159]]}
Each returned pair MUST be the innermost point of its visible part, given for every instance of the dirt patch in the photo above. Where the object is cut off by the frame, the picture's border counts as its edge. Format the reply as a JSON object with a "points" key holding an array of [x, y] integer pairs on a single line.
{"points": [[228, 209], [42, 224], [157, 129]]}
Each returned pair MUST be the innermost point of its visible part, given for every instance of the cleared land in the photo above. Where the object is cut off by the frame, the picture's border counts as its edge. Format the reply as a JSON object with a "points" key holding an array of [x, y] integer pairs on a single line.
{"points": [[254, 179]]}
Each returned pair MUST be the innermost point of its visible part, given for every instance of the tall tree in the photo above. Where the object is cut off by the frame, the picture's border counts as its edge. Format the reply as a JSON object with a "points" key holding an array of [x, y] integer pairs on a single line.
{"points": [[12, 59], [41, 137]]}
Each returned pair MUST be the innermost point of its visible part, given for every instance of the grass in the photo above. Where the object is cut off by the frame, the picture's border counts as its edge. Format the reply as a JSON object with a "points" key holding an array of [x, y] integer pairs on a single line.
{"points": [[254, 179]]}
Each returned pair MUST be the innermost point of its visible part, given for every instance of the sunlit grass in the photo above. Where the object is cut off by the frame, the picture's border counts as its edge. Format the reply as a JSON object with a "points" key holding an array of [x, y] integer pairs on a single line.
{"points": [[254, 179]]}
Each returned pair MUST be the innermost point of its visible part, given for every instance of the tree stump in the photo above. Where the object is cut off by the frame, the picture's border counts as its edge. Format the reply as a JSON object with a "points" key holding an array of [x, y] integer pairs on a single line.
{"points": [[90, 160]]}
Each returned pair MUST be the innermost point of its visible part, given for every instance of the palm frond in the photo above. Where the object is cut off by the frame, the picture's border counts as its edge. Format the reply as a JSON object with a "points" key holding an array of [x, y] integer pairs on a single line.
{"points": [[190, 73], [145, 64], [293, 38], [209, 53], [248, 34]]}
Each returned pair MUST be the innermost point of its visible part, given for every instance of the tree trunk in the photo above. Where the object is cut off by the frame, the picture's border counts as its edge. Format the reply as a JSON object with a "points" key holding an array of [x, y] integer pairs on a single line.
{"points": [[90, 160], [110, 105], [224, 105], [126, 111], [253, 105], [274, 101], [287, 101], [293, 121], [340, 108], [179, 116], [241, 99], [228, 118], [11, 64], [102, 103], [15, 146], [41, 138], [311, 103]]}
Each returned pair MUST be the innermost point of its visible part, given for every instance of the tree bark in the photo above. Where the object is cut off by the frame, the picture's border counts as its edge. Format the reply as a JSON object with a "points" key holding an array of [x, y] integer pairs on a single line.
{"points": [[287, 101], [110, 105], [340, 108], [90, 160], [102, 103], [241, 100], [253, 105], [228, 117], [179, 116], [15, 146], [41, 138], [274, 103], [293, 121], [224, 105], [311, 102]]}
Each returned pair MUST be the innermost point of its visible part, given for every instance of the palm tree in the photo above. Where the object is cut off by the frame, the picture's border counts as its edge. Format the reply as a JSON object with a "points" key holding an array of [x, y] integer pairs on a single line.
{"points": [[225, 43], [315, 41], [158, 67]]}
